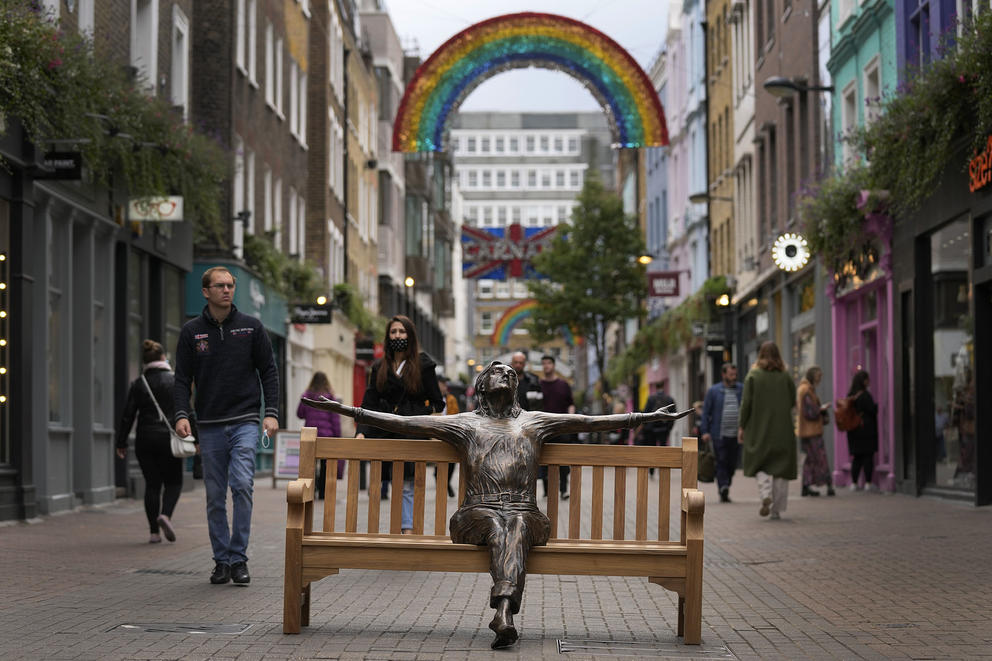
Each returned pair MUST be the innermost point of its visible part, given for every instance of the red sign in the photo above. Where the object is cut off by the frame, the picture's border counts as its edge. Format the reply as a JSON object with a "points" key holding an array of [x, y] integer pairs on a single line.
{"points": [[980, 168], [663, 284]]}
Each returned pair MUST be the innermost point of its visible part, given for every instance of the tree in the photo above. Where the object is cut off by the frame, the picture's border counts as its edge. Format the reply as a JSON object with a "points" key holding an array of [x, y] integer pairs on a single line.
{"points": [[593, 276]]}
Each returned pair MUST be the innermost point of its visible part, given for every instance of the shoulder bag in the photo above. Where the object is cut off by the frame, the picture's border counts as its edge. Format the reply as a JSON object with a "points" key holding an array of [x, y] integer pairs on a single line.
{"points": [[181, 447], [846, 416]]}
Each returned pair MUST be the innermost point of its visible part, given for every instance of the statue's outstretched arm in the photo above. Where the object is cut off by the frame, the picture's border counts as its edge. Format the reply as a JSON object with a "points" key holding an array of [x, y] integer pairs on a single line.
{"points": [[424, 426], [560, 423]]}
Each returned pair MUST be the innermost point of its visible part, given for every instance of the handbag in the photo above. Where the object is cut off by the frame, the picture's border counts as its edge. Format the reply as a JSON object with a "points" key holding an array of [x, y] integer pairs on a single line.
{"points": [[181, 446], [706, 471], [846, 417]]}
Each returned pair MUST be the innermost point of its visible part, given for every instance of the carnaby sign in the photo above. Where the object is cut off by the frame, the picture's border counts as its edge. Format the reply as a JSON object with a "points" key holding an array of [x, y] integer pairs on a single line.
{"points": [[980, 168], [502, 252], [663, 284]]}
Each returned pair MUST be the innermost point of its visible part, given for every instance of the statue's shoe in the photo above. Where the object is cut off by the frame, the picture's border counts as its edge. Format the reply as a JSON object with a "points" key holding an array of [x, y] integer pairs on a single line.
{"points": [[506, 634]]}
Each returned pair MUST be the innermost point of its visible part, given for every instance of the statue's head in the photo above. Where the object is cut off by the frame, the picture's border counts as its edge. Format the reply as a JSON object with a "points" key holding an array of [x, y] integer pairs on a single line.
{"points": [[496, 390]]}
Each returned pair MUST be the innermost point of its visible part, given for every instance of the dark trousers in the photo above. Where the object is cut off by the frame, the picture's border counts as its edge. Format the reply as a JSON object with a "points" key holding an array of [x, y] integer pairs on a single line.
{"points": [[163, 482], [563, 473], [862, 461], [725, 450]]}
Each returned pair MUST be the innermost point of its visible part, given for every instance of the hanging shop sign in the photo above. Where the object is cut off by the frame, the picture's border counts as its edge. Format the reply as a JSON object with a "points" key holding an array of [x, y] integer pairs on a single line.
{"points": [[499, 252], [790, 252], [309, 313], [155, 208], [662, 284], [980, 168], [61, 166]]}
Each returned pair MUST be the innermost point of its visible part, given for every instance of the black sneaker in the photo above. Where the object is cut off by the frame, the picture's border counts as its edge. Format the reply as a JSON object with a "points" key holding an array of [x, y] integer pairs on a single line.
{"points": [[221, 575], [725, 495], [239, 573]]}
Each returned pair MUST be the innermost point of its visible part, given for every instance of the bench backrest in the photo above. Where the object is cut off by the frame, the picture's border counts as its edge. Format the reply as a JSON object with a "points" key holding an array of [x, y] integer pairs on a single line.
{"points": [[619, 460]]}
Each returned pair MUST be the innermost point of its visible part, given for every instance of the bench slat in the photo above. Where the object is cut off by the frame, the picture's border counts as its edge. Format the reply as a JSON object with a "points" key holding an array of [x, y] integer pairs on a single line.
{"points": [[619, 502], [664, 504], [560, 454], [351, 507], [396, 498], [375, 489], [575, 502], [641, 525], [553, 499], [330, 493], [419, 496], [596, 524], [441, 498]]}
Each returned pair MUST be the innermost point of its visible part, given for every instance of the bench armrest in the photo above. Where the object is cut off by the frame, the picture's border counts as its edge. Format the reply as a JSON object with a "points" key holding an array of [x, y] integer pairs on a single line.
{"points": [[693, 501], [693, 506], [300, 491]]}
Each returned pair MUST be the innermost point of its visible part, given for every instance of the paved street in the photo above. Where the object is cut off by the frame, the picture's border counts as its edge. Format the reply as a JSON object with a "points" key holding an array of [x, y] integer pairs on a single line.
{"points": [[858, 576]]}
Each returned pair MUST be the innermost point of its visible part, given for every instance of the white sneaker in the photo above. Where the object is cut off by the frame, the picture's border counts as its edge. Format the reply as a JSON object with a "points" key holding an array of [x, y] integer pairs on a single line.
{"points": [[852, 487]]}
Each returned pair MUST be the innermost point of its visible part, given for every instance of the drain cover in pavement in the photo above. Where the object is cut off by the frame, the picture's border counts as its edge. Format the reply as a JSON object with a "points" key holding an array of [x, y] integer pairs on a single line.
{"points": [[628, 648], [173, 627]]}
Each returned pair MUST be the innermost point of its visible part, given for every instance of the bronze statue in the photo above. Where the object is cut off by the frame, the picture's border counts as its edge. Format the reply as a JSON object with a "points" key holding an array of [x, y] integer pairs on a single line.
{"points": [[500, 446]]}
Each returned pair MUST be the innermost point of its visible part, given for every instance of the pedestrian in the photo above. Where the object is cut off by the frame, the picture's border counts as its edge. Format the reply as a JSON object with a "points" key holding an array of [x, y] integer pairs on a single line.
{"points": [[862, 441], [812, 416], [529, 393], [227, 356], [328, 423], [500, 448], [402, 382], [163, 473], [718, 426], [766, 429], [556, 396], [656, 433], [450, 408]]}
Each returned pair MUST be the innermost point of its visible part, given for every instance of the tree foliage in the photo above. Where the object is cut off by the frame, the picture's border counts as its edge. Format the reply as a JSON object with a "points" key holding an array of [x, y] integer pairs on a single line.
{"points": [[593, 277]]}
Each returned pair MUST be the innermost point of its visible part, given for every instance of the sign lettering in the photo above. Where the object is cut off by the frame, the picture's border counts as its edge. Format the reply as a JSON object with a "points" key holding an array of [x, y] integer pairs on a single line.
{"points": [[980, 168], [662, 284], [62, 166], [499, 252], [307, 313]]}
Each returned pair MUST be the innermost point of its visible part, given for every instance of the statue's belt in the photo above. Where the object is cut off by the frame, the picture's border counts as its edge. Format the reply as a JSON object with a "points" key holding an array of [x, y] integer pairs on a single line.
{"points": [[500, 497]]}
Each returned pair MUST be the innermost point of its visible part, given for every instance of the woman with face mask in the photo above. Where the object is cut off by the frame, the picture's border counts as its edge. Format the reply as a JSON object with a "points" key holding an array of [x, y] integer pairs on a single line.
{"points": [[402, 382]]}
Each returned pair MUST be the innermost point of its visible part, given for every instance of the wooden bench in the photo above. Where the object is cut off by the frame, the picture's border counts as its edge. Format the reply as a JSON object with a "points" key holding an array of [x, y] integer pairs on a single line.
{"points": [[312, 554]]}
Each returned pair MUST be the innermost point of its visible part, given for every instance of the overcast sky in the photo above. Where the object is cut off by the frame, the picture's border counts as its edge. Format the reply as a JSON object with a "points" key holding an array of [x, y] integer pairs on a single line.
{"points": [[637, 25]]}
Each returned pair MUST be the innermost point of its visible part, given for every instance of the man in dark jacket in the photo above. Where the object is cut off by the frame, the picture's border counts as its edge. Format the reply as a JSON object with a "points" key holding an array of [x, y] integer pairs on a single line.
{"points": [[656, 433], [227, 355], [529, 394], [718, 426]]}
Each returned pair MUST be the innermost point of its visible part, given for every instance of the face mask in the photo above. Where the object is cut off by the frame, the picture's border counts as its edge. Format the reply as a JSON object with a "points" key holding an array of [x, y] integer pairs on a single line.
{"points": [[398, 346]]}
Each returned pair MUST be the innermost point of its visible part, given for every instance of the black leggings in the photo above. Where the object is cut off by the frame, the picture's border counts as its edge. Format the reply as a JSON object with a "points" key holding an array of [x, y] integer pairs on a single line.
{"points": [[160, 469], [862, 461]]}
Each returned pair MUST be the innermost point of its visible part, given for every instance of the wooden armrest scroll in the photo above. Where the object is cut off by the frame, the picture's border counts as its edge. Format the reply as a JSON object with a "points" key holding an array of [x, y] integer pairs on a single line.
{"points": [[300, 491]]}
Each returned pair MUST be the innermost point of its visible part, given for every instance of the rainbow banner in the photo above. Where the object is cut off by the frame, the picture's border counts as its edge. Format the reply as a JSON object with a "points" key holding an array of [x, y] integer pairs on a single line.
{"points": [[517, 41], [516, 314]]}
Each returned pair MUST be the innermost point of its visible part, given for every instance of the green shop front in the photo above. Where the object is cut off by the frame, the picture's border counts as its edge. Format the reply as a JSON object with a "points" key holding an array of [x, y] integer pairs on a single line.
{"points": [[254, 297]]}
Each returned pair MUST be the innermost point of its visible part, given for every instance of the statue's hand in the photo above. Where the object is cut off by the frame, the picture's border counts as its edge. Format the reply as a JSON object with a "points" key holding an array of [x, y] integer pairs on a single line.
{"points": [[330, 405], [665, 413]]}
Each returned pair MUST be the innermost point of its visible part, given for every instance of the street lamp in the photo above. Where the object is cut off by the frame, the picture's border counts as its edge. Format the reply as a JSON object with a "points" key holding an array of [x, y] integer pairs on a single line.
{"points": [[786, 88], [645, 259], [409, 281]]}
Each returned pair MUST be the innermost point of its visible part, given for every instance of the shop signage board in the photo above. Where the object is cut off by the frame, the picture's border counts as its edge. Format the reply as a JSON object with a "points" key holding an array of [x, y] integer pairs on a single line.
{"points": [[155, 208], [980, 168], [62, 166], [309, 313], [286, 463], [662, 284]]}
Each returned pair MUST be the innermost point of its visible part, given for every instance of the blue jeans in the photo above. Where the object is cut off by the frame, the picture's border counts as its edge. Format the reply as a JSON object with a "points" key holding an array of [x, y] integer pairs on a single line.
{"points": [[406, 512], [228, 453]]}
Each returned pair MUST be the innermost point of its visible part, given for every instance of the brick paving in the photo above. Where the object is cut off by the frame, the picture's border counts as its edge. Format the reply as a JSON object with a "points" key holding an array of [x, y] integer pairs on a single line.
{"points": [[858, 576]]}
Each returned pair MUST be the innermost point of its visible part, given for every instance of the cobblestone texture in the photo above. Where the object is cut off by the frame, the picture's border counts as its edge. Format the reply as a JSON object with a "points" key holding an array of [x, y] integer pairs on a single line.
{"points": [[858, 576]]}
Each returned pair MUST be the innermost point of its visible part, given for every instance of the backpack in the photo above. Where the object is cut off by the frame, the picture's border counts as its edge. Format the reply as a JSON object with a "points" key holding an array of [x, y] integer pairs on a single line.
{"points": [[846, 416]]}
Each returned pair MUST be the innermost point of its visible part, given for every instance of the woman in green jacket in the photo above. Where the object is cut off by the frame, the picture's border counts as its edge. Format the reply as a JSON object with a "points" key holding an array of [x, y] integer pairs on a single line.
{"points": [[766, 430]]}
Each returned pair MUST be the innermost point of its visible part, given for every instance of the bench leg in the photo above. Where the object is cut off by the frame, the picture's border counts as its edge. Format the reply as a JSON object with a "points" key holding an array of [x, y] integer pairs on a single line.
{"points": [[681, 609], [694, 594], [305, 607], [293, 582]]}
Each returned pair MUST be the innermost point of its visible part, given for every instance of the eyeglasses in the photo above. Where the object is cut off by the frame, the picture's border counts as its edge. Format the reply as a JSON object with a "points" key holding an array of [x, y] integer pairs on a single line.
{"points": [[222, 285]]}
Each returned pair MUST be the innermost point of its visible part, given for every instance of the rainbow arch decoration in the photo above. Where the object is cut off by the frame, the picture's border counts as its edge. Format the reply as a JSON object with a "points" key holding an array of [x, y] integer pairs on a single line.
{"points": [[517, 41], [516, 314]]}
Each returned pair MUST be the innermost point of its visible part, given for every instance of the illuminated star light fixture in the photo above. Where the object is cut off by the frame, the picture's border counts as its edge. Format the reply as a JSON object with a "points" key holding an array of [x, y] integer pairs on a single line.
{"points": [[790, 252]]}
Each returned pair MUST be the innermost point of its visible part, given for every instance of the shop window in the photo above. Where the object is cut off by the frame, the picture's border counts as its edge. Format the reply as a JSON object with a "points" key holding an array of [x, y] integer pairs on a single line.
{"points": [[953, 357], [807, 295], [485, 322]]}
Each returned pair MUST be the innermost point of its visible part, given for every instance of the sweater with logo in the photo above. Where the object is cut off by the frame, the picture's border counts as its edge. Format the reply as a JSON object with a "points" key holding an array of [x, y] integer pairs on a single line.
{"points": [[231, 366]]}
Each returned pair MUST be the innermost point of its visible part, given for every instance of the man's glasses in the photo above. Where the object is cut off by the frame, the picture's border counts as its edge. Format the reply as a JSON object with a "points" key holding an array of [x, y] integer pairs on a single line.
{"points": [[222, 285]]}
